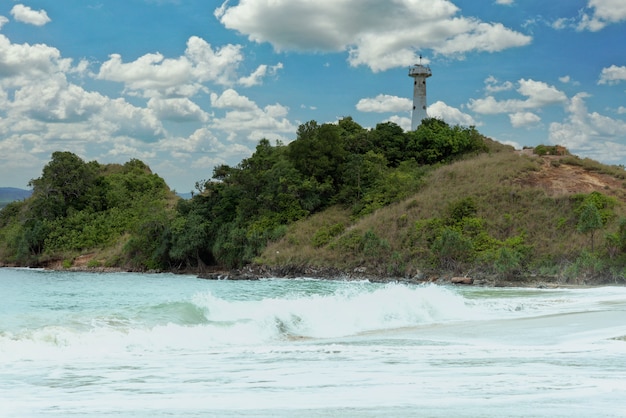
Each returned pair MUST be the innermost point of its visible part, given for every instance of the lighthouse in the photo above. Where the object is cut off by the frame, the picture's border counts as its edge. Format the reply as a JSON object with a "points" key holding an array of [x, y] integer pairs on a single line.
{"points": [[419, 73]]}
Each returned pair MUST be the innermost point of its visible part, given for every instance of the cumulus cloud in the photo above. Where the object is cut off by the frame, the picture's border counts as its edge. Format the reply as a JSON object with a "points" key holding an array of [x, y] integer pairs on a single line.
{"points": [[245, 116], [20, 63], [492, 85], [55, 100], [45, 111], [450, 114], [25, 14], [177, 109], [521, 119], [591, 134], [612, 75], [505, 2], [261, 72], [232, 100], [600, 13], [380, 35], [3, 21], [384, 103], [154, 75], [538, 94]]}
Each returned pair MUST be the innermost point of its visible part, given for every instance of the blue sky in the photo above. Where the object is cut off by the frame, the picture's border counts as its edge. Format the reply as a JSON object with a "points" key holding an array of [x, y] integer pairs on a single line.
{"points": [[185, 85]]}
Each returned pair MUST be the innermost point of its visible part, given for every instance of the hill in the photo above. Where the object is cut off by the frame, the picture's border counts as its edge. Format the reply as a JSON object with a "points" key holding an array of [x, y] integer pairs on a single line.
{"points": [[339, 200], [505, 215], [11, 194], [110, 212]]}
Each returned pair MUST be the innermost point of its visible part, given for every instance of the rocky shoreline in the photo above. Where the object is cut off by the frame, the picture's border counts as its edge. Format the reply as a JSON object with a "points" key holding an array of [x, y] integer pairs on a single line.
{"points": [[258, 272]]}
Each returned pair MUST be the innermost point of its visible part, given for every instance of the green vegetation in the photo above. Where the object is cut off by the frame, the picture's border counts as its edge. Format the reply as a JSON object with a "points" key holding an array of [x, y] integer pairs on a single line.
{"points": [[79, 207], [384, 202], [479, 216]]}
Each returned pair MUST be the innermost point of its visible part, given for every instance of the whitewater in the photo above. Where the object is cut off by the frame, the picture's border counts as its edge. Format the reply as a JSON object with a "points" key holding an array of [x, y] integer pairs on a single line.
{"points": [[162, 345]]}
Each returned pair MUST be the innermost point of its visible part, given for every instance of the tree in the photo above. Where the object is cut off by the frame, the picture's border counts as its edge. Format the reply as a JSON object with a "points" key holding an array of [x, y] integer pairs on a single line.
{"points": [[452, 249], [64, 184], [190, 240], [319, 152], [389, 139], [589, 221], [435, 141]]}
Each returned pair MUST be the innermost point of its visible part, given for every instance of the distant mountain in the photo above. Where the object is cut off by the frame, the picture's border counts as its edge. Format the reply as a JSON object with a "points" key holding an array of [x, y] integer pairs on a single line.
{"points": [[11, 194]]}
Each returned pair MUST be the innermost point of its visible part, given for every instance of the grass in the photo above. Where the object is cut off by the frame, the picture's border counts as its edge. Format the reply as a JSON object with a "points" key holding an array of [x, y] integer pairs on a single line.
{"points": [[494, 181]]}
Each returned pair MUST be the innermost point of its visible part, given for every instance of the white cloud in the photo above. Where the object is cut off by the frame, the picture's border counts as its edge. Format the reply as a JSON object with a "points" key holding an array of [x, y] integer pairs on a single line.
{"points": [[45, 104], [257, 76], [126, 148], [232, 100], [3, 21], [247, 118], [603, 13], [43, 110], [450, 114], [521, 119], [612, 75], [590, 134], [492, 85], [384, 103], [177, 109], [538, 94], [380, 35], [154, 75], [566, 79], [562, 23], [55, 100], [401, 121], [20, 63], [25, 14], [505, 2]]}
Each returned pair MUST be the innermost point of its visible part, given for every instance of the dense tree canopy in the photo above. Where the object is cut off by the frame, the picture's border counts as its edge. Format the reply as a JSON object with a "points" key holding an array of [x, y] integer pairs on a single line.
{"points": [[78, 205], [243, 207]]}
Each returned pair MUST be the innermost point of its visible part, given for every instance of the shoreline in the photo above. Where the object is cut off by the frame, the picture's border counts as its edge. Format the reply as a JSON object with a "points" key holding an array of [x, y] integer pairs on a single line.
{"points": [[258, 272]]}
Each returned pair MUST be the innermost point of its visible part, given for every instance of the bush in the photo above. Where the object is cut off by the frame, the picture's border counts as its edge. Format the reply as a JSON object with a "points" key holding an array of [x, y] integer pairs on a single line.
{"points": [[326, 233], [452, 250]]}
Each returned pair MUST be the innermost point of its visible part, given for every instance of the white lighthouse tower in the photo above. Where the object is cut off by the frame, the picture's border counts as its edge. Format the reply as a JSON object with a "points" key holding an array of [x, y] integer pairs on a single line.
{"points": [[419, 73]]}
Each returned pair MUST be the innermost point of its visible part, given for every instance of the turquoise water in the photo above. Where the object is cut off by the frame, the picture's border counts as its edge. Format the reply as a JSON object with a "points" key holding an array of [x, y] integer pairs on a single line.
{"points": [[77, 344]]}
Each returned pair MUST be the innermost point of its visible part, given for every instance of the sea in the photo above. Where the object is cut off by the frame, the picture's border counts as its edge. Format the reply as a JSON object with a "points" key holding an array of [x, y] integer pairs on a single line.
{"points": [[75, 344]]}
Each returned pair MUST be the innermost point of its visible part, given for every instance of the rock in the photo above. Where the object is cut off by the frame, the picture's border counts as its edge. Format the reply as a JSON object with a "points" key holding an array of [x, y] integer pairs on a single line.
{"points": [[462, 280]]}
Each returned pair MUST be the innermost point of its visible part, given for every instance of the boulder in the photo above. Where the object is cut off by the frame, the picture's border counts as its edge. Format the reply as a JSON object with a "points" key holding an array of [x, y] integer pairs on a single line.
{"points": [[462, 280]]}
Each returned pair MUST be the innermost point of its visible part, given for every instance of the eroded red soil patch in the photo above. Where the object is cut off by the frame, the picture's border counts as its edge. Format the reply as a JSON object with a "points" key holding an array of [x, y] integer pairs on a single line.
{"points": [[563, 179]]}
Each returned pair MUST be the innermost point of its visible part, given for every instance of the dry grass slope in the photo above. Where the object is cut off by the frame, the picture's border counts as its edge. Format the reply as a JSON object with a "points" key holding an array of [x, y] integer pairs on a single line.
{"points": [[514, 194]]}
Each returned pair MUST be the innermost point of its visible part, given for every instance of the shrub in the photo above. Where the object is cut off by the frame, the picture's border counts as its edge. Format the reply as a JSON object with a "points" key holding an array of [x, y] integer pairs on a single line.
{"points": [[326, 233], [452, 250]]}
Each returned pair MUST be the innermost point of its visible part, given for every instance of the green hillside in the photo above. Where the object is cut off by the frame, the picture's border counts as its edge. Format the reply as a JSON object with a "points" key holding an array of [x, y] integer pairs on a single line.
{"points": [[484, 217], [339, 199], [77, 208]]}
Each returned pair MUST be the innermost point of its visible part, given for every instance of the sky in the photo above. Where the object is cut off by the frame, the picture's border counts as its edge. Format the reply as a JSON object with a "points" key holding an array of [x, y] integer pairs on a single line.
{"points": [[187, 85]]}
